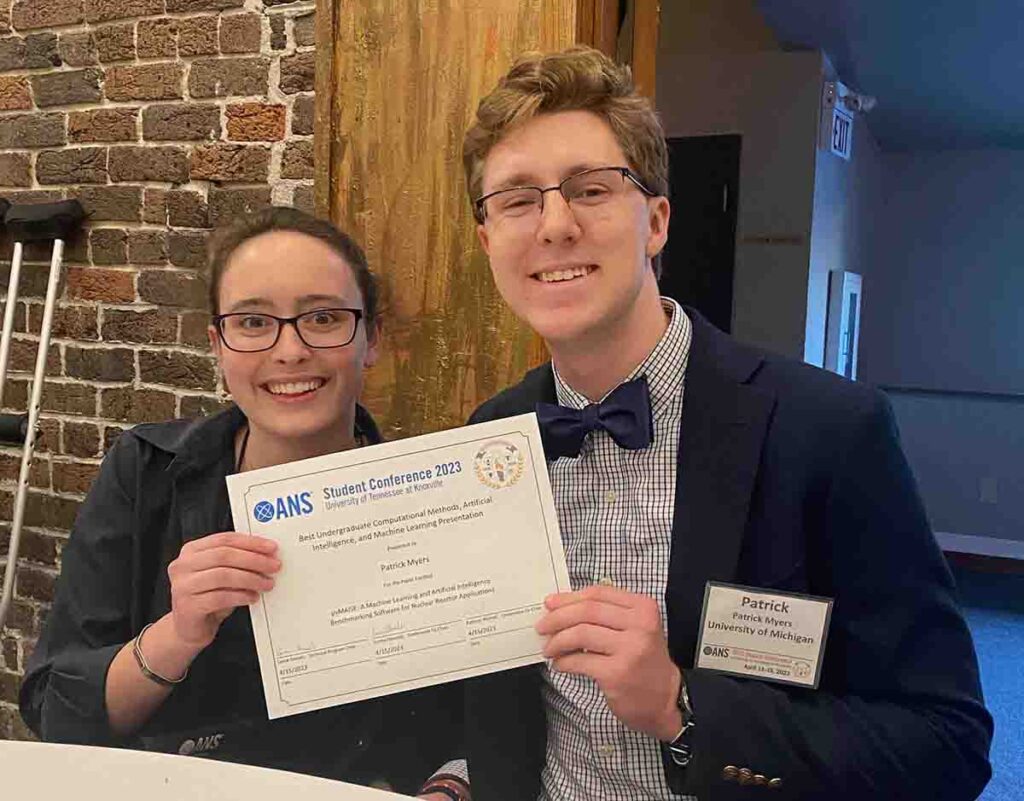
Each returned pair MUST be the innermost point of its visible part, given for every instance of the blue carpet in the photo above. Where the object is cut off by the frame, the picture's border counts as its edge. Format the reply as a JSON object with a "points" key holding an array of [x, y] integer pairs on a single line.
{"points": [[994, 605]]}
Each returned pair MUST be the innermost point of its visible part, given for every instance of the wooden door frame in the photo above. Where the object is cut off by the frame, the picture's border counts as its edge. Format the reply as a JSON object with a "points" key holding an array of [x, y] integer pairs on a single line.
{"points": [[646, 22], [597, 26]]}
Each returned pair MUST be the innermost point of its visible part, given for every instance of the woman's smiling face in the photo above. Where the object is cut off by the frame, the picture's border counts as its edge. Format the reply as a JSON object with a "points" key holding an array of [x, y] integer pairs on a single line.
{"points": [[293, 390]]}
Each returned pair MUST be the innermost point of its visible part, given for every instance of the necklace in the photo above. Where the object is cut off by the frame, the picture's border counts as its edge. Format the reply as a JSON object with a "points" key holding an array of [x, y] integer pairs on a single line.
{"points": [[360, 440]]}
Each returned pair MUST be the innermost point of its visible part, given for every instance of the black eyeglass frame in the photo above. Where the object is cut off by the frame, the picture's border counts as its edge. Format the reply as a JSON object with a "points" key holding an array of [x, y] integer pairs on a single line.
{"points": [[218, 322], [478, 204]]}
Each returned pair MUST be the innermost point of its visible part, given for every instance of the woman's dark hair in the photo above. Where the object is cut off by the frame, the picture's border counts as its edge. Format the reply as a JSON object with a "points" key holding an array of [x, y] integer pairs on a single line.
{"points": [[279, 218]]}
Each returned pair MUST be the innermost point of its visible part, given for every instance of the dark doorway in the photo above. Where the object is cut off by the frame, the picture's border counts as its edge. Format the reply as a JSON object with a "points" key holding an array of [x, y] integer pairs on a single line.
{"points": [[699, 260]]}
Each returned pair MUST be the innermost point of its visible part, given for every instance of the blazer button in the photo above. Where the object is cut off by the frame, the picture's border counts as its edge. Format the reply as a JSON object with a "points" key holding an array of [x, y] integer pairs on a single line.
{"points": [[775, 784], [760, 780], [730, 772], [746, 776]]}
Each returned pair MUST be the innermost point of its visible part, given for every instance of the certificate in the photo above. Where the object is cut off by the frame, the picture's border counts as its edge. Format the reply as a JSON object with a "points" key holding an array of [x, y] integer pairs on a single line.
{"points": [[404, 564]]}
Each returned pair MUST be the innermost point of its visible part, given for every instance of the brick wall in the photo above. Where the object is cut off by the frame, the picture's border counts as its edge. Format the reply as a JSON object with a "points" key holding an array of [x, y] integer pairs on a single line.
{"points": [[165, 118]]}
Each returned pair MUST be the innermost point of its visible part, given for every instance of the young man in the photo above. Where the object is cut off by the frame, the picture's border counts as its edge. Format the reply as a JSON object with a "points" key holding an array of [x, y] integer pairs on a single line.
{"points": [[678, 457]]}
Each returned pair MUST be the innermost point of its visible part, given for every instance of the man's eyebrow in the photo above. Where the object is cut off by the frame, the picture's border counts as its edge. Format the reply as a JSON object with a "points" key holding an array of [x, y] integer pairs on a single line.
{"points": [[518, 179], [525, 179], [576, 169]]}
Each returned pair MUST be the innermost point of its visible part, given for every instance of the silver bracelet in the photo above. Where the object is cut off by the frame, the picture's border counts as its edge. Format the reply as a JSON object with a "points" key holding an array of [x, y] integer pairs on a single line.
{"points": [[150, 674]]}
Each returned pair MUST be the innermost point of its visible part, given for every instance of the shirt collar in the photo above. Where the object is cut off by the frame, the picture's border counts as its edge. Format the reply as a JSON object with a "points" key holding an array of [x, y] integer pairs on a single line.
{"points": [[665, 366]]}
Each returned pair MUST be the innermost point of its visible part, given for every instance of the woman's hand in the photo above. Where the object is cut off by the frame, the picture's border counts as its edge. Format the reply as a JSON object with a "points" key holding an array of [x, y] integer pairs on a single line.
{"points": [[210, 577], [215, 574]]}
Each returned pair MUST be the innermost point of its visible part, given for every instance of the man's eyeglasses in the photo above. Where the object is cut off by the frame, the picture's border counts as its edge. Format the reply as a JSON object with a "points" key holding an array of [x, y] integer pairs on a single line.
{"points": [[589, 189], [249, 332]]}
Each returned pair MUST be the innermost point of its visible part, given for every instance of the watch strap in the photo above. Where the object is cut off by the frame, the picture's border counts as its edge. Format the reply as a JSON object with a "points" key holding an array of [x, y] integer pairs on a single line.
{"points": [[680, 749]]}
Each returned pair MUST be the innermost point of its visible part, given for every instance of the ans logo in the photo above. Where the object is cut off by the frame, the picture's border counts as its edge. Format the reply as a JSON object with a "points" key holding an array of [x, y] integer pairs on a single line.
{"points": [[716, 650], [297, 505], [201, 745]]}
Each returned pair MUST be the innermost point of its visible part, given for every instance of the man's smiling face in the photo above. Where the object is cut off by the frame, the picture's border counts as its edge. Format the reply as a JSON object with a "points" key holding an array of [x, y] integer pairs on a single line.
{"points": [[572, 275]]}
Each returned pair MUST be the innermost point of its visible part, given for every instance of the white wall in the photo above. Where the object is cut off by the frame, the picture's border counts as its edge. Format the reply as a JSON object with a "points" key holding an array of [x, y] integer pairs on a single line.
{"points": [[942, 312], [771, 99], [937, 237], [966, 453], [951, 262], [714, 26], [846, 213]]}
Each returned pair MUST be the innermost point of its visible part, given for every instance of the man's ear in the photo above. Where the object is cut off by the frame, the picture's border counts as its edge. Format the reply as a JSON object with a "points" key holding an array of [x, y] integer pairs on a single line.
{"points": [[485, 243], [659, 211]]}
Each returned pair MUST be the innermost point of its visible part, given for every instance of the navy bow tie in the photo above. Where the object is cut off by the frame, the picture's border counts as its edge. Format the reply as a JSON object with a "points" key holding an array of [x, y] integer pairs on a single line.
{"points": [[625, 414]]}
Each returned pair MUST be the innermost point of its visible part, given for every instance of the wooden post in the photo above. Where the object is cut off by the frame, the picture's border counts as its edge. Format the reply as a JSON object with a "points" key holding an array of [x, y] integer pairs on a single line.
{"points": [[398, 82], [597, 24]]}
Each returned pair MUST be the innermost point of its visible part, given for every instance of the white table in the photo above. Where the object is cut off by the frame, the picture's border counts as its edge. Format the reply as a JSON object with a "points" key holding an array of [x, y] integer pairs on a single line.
{"points": [[30, 771]]}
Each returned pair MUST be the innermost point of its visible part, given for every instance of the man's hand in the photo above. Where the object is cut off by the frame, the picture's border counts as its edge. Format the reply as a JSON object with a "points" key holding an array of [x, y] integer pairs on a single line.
{"points": [[616, 638], [215, 574]]}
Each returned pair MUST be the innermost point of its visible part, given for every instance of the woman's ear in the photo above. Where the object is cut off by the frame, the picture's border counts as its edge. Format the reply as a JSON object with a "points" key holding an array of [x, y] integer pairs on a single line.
{"points": [[214, 338], [217, 349]]}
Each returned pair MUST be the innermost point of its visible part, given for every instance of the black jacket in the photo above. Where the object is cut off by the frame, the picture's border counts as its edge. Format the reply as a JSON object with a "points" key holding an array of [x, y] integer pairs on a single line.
{"points": [[160, 486], [788, 478]]}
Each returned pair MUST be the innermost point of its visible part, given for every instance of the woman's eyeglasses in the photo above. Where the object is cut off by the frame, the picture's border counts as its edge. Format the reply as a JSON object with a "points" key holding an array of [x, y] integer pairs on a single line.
{"points": [[249, 332]]}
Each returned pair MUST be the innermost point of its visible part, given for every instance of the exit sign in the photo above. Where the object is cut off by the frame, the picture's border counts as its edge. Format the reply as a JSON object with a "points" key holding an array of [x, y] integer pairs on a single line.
{"points": [[841, 140], [836, 132]]}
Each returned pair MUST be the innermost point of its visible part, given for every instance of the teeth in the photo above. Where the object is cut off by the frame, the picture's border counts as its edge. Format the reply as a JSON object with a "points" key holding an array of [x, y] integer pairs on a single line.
{"points": [[564, 275], [295, 388]]}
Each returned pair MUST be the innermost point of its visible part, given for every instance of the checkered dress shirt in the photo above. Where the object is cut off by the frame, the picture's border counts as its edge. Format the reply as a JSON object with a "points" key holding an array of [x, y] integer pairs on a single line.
{"points": [[615, 510]]}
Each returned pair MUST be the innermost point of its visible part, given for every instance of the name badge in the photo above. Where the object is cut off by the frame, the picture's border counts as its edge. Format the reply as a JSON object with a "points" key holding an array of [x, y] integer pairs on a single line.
{"points": [[761, 634]]}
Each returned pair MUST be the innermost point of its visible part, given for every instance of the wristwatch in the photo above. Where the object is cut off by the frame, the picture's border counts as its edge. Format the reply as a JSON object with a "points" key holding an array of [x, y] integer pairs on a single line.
{"points": [[680, 749]]}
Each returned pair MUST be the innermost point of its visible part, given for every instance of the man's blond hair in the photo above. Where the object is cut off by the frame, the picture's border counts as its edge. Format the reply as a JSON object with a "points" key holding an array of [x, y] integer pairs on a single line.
{"points": [[576, 79]]}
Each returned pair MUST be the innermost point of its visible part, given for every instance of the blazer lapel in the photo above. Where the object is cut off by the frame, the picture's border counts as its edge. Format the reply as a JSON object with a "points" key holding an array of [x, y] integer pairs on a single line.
{"points": [[723, 428], [506, 735]]}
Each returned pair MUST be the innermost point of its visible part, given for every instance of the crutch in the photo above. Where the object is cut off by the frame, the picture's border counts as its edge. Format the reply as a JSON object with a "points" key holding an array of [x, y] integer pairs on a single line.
{"points": [[30, 223]]}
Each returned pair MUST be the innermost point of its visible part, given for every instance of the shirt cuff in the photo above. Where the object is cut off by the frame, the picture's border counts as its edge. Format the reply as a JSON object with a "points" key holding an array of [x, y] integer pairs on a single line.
{"points": [[74, 707], [456, 767]]}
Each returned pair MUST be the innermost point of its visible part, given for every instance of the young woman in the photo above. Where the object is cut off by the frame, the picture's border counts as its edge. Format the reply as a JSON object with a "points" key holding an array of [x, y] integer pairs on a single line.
{"points": [[149, 642]]}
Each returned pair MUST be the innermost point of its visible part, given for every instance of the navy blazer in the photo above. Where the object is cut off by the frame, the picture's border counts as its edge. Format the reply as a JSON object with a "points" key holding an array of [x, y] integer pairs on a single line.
{"points": [[789, 478]]}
